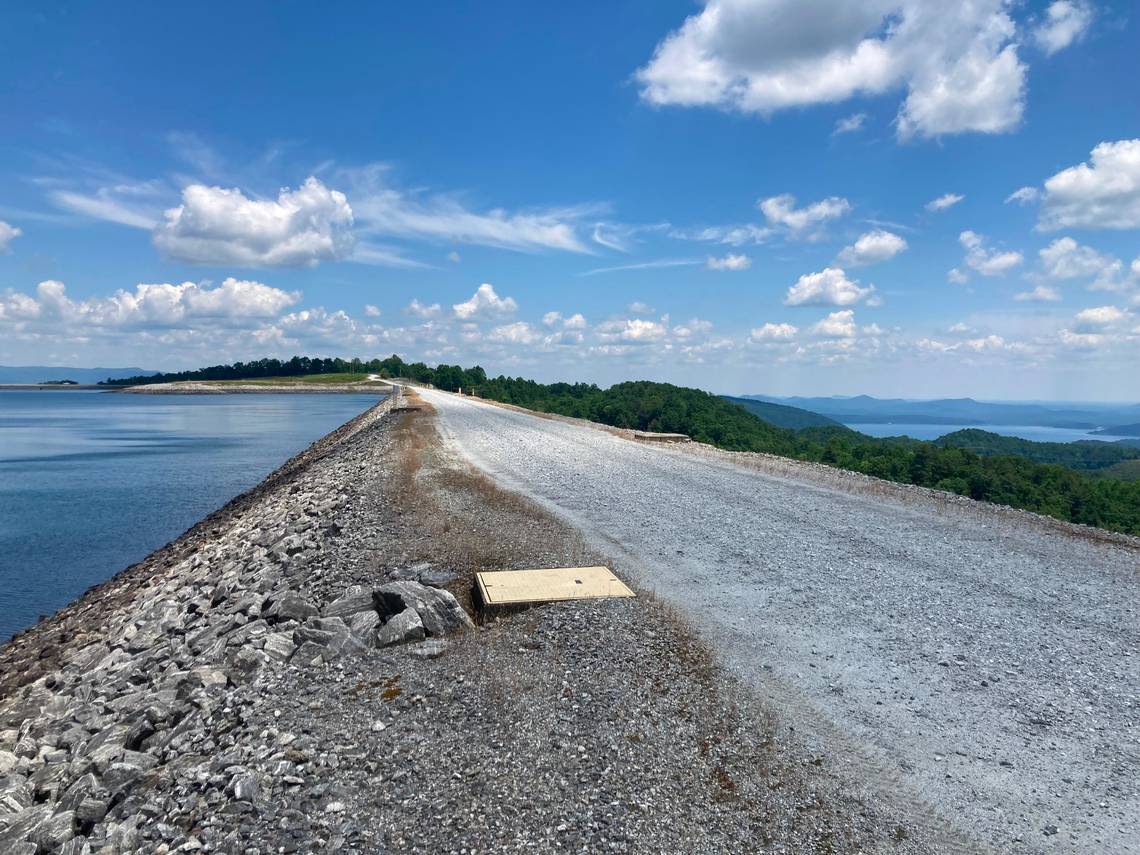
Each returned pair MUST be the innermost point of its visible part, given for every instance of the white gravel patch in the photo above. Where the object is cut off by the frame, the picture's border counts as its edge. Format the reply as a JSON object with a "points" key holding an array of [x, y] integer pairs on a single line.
{"points": [[972, 662]]}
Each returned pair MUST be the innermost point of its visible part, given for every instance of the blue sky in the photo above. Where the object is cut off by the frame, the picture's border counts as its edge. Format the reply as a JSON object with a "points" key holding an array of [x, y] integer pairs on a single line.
{"points": [[741, 195]]}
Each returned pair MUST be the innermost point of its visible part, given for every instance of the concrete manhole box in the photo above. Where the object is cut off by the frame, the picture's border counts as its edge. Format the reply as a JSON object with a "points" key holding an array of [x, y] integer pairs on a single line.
{"points": [[511, 587]]}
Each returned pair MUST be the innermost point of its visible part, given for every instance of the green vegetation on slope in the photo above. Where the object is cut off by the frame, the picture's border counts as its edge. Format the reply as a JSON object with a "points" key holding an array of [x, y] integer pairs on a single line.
{"points": [[995, 475], [1085, 454], [781, 415]]}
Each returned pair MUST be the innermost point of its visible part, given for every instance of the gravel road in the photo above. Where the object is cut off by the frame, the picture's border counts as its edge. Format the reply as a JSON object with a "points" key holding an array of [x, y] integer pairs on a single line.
{"points": [[967, 660]]}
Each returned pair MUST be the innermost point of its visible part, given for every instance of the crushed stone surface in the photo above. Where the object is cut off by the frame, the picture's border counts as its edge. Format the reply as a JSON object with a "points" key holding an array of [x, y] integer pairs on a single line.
{"points": [[972, 662]]}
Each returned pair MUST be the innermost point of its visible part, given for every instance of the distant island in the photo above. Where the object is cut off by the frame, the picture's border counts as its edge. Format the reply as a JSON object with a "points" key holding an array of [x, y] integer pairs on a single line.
{"points": [[1119, 430]]}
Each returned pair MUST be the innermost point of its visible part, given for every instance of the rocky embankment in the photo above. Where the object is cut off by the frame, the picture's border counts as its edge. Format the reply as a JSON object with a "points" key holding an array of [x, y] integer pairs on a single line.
{"points": [[298, 673], [191, 387], [123, 719]]}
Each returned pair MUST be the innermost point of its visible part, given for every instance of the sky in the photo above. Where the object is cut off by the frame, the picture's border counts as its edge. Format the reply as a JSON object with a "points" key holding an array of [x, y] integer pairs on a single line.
{"points": [[898, 197]]}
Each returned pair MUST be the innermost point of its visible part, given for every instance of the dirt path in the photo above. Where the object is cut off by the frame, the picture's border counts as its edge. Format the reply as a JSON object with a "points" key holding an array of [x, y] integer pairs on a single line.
{"points": [[967, 659]]}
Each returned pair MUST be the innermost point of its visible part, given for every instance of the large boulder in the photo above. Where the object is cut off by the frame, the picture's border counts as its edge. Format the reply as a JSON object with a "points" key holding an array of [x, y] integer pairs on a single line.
{"points": [[355, 599], [289, 605], [438, 610], [406, 626]]}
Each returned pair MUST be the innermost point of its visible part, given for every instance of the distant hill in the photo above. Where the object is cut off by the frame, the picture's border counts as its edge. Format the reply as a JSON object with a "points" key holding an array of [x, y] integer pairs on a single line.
{"points": [[1119, 430], [863, 409], [1084, 455], [781, 415], [48, 373]]}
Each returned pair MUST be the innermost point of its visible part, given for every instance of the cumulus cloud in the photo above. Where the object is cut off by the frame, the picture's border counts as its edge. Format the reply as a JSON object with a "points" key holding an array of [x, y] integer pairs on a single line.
{"points": [[214, 225], [150, 305], [1039, 294], [987, 262], [1064, 259], [556, 319], [8, 233], [422, 310], [638, 307], [773, 332], [484, 303], [372, 311], [782, 211], [957, 62], [1102, 193], [829, 287], [1065, 22], [946, 200], [729, 262], [519, 332], [871, 248], [836, 325], [633, 330], [850, 124], [1099, 318]]}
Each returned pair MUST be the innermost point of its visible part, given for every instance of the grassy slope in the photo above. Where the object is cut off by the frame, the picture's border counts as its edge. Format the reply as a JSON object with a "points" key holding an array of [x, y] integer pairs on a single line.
{"points": [[302, 380]]}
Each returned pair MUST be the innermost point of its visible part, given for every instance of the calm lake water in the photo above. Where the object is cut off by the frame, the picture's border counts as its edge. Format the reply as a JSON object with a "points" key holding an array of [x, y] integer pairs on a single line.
{"points": [[1037, 433], [91, 482]]}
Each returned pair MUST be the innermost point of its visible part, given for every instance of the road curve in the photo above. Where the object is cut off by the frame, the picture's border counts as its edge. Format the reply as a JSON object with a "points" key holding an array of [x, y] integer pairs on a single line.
{"points": [[982, 666]]}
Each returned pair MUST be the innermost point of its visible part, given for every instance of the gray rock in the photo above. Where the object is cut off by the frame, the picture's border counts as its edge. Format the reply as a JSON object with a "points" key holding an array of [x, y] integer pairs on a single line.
{"points": [[92, 809], [406, 626], [55, 831], [279, 645], [439, 611], [364, 624], [309, 654], [354, 600], [437, 577], [433, 648], [246, 787], [290, 605]]}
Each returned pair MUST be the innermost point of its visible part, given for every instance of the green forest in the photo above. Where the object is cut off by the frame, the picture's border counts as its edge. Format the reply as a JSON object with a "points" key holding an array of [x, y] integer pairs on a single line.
{"points": [[1062, 480]]}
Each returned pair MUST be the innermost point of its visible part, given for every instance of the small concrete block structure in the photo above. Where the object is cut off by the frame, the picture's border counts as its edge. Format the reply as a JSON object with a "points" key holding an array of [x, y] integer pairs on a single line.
{"points": [[648, 436], [515, 587]]}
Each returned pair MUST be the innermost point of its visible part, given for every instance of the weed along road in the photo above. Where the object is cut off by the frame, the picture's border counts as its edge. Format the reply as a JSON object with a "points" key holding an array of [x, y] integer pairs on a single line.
{"points": [[973, 662]]}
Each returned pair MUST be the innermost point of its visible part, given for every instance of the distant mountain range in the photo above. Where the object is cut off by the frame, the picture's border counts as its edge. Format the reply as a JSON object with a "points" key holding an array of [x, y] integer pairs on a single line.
{"points": [[863, 409], [45, 373]]}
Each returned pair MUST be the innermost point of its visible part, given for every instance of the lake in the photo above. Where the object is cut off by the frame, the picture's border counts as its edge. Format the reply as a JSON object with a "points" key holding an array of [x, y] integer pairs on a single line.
{"points": [[91, 482], [1037, 433]]}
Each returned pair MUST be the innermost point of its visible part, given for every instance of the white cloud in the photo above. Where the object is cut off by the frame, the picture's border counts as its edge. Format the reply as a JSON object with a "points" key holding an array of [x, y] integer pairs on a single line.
{"points": [[985, 261], [1039, 294], [731, 235], [957, 62], [421, 310], [557, 319], [829, 287], [729, 262], [484, 303], [1103, 194], [836, 325], [454, 257], [128, 204], [149, 305], [633, 330], [658, 264], [372, 311], [957, 276], [639, 308], [695, 327], [1099, 318], [519, 332], [871, 248], [381, 209], [850, 124], [782, 211], [773, 332], [8, 233], [1064, 259], [1023, 196], [946, 200], [214, 225], [1066, 21]]}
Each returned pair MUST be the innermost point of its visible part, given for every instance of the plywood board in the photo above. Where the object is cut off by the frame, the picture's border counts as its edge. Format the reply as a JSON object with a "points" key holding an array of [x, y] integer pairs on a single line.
{"points": [[507, 587]]}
